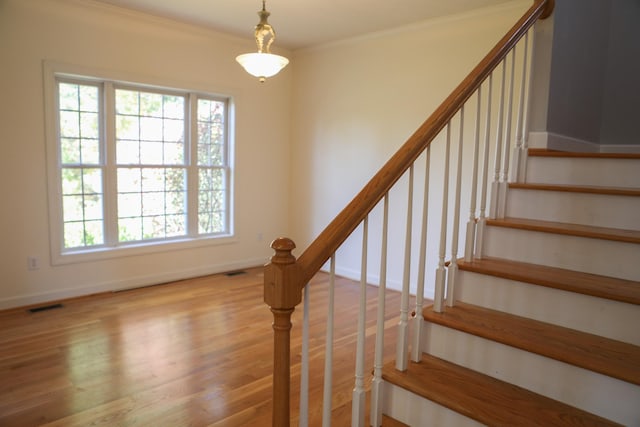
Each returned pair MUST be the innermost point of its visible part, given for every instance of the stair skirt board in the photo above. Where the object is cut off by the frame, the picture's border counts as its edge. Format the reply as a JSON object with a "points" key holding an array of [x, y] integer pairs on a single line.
{"points": [[416, 411], [599, 316], [596, 393], [583, 171], [575, 208], [595, 256]]}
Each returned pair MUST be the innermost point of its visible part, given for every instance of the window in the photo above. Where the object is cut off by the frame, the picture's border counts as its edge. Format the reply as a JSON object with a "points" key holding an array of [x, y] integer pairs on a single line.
{"points": [[138, 165]]}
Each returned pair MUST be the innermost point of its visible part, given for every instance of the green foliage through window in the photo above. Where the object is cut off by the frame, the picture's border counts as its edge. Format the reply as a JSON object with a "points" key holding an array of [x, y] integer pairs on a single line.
{"points": [[151, 165]]}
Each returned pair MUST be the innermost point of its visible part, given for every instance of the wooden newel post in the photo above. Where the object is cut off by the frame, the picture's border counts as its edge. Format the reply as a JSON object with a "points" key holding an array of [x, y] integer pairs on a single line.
{"points": [[281, 294]]}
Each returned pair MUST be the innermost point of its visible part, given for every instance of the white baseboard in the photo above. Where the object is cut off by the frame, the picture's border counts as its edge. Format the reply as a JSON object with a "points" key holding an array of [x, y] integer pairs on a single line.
{"points": [[129, 283], [554, 141]]}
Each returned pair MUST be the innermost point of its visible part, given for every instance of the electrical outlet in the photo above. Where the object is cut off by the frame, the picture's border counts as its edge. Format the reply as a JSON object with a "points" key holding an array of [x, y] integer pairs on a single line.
{"points": [[33, 263]]}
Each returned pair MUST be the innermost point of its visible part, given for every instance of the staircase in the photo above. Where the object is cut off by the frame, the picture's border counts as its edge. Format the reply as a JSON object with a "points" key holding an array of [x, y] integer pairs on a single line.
{"points": [[545, 327]]}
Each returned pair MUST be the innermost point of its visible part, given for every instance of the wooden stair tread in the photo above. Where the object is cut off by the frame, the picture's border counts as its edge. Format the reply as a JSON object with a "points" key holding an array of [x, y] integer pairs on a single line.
{"points": [[599, 354], [543, 152], [485, 399], [387, 421], [616, 234], [611, 288], [588, 189]]}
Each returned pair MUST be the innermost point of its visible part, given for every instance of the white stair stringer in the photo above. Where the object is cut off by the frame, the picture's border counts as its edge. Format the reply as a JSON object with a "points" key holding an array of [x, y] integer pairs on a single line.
{"points": [[600, 210], [605, 172], [599, 394], [413, 410], [590, 255], [612, 319]]}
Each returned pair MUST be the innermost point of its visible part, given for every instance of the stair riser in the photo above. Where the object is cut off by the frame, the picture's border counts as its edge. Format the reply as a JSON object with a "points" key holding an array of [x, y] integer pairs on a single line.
{"points": [[584, 171], [414, 410], [590, 391], [595, 256], [611, 319], [600, 210]]}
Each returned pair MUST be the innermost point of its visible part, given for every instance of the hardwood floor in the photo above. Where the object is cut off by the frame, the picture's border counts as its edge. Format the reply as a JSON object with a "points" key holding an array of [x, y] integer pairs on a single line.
{"points": [[192, 353]]}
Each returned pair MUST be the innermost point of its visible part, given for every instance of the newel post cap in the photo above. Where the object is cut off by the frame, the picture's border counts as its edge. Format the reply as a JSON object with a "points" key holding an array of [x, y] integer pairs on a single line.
{"points": [[280, 287]]}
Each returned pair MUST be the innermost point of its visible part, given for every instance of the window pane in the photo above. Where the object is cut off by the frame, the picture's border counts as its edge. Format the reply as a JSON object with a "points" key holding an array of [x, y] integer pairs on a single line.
{"points": [[151, 153], [69, 124], [89, 125], [173, 107], [129, 180], [128, 127], [153, 227], [152, 204], [94, 233], [93, 207], [129, 205], [211, 132], [127, 102], [73, 234], [173, 130], [72, 207], [88, 98], [71, 181], [129, 229], [211, 201], [90, 151], [68, 96], [92, 181], [70, 150], [150, 129], [150, 104], [128, 152], [82, 206]]}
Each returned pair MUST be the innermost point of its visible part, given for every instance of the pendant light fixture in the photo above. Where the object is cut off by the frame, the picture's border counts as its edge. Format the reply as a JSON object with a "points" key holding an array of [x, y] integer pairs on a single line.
{"points": [[263, 64]]}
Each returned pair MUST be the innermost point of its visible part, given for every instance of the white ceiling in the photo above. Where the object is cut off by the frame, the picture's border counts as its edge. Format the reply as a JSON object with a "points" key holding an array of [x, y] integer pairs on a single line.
{"points": [[304, 23]]}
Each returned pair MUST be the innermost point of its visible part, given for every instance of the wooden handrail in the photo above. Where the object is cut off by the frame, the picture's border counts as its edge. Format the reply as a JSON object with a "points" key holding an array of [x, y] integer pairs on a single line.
{"points": [[285, 277], [343, 225]]}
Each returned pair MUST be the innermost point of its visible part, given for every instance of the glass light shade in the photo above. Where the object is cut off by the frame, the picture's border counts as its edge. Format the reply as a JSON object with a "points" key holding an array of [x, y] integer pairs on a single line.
{"points": [[262, 65]]}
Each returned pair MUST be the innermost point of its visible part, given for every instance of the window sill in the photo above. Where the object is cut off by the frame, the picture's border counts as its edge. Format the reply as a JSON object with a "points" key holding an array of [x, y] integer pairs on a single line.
{"points": [[138, 248]]}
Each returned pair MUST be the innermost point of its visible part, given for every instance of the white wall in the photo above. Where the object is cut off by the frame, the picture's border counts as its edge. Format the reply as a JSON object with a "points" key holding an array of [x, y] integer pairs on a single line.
{"points": [[355, 102], [154, 50]]}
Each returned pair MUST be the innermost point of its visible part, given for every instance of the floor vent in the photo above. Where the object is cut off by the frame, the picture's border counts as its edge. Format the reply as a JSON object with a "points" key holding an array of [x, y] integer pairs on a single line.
{"points": [[235, 273], [45, 307]]}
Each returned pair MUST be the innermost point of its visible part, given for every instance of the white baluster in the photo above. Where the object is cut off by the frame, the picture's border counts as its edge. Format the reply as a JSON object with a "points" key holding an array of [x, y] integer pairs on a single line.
{"points": [[471, 223], [440, 271], [453, 266], [422, 261], [359, 392], [517, 151], [525, 131], [504, 174], [304, 364], [328, 358], [377, 385], [495, 186], [403, 327], [485, 172]]}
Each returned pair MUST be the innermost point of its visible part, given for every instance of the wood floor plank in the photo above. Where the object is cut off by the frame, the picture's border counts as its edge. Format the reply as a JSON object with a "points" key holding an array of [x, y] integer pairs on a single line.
{"points": [[195, 352]]}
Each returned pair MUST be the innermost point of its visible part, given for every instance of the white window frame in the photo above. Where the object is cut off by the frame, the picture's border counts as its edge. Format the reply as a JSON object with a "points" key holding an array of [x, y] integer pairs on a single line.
{"points": [[109, 81]]}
